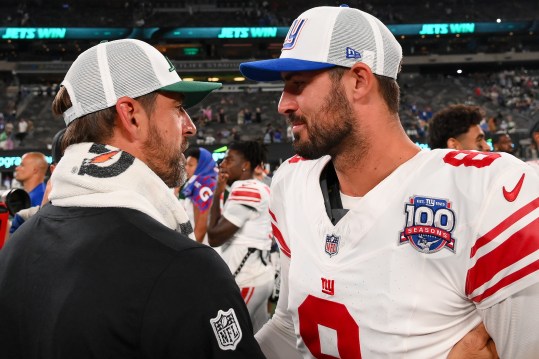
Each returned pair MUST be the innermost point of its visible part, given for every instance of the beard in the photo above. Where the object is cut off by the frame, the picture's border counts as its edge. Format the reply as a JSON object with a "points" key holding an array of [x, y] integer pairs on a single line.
{"points": [[168, 164], [328, 130]]}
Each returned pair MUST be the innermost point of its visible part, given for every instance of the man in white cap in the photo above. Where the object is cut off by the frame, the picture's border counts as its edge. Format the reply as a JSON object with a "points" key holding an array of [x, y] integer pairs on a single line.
{"points": [[106, 270], [389, 251]]}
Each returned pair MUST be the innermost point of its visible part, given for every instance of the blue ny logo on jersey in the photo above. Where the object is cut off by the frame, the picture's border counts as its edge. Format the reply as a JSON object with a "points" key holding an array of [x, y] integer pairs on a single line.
{"points": [[293, 33], [429, 223]]}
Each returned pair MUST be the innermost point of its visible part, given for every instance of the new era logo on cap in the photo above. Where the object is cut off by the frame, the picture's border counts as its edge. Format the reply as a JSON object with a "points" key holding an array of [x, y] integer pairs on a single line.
{"points": [[352, 54], [326, 36]]}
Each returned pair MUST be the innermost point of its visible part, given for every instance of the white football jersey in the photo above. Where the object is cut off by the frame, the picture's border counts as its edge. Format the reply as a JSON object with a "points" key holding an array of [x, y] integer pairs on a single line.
{"points": [[404, 272], [534, 164], [247, 207]]}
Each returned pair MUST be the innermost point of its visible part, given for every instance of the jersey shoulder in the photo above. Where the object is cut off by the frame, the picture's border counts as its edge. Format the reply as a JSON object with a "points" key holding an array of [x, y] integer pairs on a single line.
{"points": [[298, 166], [473, 159], [484, 166], [252, 193]]}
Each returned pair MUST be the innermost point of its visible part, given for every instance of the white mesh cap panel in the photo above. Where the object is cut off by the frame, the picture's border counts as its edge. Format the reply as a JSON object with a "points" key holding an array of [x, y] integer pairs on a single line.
{"points": [[354, 32], [126, 67], [393, 51], [85, 76], [122, 58], [358, 31]]}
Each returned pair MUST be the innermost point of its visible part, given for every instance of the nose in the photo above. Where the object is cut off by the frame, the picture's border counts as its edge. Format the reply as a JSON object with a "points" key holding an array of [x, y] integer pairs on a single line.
{"points": [[287, 103], [189, 128]]}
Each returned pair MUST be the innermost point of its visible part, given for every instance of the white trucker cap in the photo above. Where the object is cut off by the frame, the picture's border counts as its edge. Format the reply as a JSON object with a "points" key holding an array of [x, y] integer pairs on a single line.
{"points": [[326, 36], [127, 67]]}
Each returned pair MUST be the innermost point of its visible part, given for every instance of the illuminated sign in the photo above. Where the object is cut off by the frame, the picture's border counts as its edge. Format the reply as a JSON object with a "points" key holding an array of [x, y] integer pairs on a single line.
{"points": [[443, 29], [460, 28], [423, 146], [14, 33], [10, 162], [97, 33], [110, 33], [219, 153], [247, 32], [191, 51]]}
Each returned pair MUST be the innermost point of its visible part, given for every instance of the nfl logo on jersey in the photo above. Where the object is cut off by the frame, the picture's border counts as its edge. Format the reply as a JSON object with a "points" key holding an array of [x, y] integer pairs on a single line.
{"points": [[227, 330], [332, 244], [429, 224]]}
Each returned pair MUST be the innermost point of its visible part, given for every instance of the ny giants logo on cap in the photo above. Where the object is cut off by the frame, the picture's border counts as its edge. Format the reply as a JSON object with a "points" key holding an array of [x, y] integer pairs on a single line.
{"points": [[293, 34]]}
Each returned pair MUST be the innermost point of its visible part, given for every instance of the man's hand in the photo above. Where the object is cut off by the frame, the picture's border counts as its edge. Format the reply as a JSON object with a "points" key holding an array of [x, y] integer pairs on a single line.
{"points": [[222, 179], [477, 344]]}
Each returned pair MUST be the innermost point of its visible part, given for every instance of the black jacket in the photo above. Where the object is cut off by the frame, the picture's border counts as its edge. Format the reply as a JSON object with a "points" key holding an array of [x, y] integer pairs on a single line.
{"points": [[115, 283]]}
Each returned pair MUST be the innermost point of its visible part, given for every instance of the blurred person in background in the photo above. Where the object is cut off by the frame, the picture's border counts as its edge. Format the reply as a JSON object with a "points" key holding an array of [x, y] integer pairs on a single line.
{"points": [[197, 193], [457, 127], [502, 142], [22, 130], [242, 229], [261, 174], [31, 174], [23, 215]]}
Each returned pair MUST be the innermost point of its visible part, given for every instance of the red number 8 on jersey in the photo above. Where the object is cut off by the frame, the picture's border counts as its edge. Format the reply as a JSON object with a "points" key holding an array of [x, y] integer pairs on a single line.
{"points": [[316, 311], [470, 158]]}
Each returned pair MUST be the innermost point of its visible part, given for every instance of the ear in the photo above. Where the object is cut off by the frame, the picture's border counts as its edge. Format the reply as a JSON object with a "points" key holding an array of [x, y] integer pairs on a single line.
{"points": [[453, 143], [130, 116], [363, 78]]}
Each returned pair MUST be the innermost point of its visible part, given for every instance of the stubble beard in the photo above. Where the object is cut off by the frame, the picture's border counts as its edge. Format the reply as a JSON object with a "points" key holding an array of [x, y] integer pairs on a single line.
{"points": [[167, 163], [330, 130]]}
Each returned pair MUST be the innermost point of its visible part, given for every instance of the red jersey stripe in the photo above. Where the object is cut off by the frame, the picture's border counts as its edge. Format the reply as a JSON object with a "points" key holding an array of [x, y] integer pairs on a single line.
{"points": [[247, 293], [508, 222], [282, 244], [243, 193], [243, 199], [272, 215], [295, 159], [513, 277], [516, 247]]}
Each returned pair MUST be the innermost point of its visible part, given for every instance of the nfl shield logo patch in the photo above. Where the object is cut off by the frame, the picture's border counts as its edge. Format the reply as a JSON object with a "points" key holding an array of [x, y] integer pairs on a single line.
{"points": [[227, 330], [332, 244]]}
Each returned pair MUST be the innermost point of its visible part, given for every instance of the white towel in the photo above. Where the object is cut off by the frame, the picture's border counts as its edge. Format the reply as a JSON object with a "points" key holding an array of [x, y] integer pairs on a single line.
{"points": [[94, 175]]}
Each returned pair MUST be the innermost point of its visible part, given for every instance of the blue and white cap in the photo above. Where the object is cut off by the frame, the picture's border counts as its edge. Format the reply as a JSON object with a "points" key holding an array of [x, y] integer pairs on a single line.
{"points": [[326, 36]]}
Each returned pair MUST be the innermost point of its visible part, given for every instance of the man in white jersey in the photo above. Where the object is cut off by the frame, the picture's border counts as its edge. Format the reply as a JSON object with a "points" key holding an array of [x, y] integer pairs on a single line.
{"points": [[242, 230], [388, 251]]}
